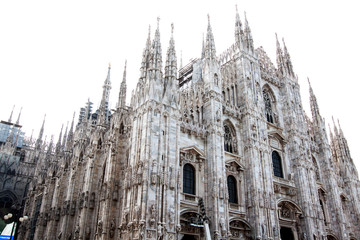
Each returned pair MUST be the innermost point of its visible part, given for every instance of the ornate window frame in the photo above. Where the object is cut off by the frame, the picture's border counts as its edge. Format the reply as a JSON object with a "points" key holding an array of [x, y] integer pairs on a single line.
{"points": [[230, 140]]}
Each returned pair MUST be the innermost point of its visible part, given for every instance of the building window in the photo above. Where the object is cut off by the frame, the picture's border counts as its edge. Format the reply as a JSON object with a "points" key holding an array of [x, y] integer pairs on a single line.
{"points": [[189, 179], [268, 108], [232, 189], [229, 139], [276, 160], [323, 210]]}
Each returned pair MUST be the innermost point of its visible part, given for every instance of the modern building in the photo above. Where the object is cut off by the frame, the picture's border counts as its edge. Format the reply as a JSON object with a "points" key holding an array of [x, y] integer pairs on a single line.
{"points": [[219, 149]]}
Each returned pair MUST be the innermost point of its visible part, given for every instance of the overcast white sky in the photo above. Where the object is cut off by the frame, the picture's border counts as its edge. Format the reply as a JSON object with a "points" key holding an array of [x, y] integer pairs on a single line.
{"points": [[54, 54]]}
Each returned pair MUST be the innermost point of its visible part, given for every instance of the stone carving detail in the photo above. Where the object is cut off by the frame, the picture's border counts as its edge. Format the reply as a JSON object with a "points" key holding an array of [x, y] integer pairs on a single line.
{"points": [[77, 232], [285, 212], [100, 226], [152, 215], [115, 192], [118, 173], [73, 208], [112, 228], [92, 200], [57, 214]]}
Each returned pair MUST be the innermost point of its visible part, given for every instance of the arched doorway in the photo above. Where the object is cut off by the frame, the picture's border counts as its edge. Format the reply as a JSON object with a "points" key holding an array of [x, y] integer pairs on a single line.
{"points": [[289, 220], [190, 226], [240, 230], [331, 237], [188, 237], [286, 233]]}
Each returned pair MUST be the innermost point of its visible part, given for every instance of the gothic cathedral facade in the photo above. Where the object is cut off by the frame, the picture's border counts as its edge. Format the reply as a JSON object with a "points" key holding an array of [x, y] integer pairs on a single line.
{"points": [[218, 149]]}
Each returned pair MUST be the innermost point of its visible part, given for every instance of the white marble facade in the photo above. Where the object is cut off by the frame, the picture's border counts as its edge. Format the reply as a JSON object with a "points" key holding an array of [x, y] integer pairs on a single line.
{"points": [[223, 140]]}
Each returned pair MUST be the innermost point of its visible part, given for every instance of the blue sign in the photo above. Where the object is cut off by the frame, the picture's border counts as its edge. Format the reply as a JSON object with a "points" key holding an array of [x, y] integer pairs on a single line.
{"points": [[6, 237]]}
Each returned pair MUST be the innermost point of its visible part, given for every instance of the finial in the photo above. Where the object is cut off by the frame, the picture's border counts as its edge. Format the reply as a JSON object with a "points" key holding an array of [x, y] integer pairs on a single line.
{"points": [[124, 73], [11, 114], [208, 18], [181, 62], [18, 119], [172, 29], [236, 8], [339, 124], [158, 22], [109, 65]]}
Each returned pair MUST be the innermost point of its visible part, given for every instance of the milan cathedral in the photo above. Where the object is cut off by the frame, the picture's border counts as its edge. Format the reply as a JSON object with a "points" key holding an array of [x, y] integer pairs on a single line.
{"points": [[220, 148]]}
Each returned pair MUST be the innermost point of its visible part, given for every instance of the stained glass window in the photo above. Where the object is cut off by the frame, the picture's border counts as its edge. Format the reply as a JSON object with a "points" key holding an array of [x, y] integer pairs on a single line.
{"points": [[276, 160], [189, 179], [231, 182]]}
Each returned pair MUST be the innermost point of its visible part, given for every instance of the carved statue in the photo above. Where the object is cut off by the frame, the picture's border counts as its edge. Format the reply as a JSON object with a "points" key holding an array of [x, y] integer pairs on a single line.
{"points": [[115, 193], [152, 214], [139, 173], [77, 232], [222, 226], [100, 226], [160, 230], [87, 232], [112, 228], [304, 236], [81, 201], [92, 200], [72, 209], [86, 199], [57, 214], [221, 188], [69, 236]]}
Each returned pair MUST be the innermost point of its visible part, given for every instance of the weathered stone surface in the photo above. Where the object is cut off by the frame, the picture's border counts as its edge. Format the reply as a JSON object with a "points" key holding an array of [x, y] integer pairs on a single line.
{"points": [[223, 141]]}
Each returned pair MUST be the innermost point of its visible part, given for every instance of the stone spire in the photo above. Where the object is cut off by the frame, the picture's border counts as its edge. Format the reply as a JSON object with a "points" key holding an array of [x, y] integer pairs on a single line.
{"points": [[279, 56], [248, 36], [288, 63], [50, 147], [156, 57], [70, 137], [203, 48], [41, 133], [65, 137], [18, 119], [181, 60], [88, 111], [103, 114], [12, 111], [58, 144], [239, 33], [171, 60], [314, 105], [210, 52], [145, 57], [18, 130], [170, 83], [335, 128], [344, 145], [122, 93]]}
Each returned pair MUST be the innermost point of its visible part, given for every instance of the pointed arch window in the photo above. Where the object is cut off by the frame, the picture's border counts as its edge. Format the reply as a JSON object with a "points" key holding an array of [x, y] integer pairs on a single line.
{"points": [[189, 179], [268, 107], [317, 173], [322, 202], [277, 166], [232, 189], [229, 139]]}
